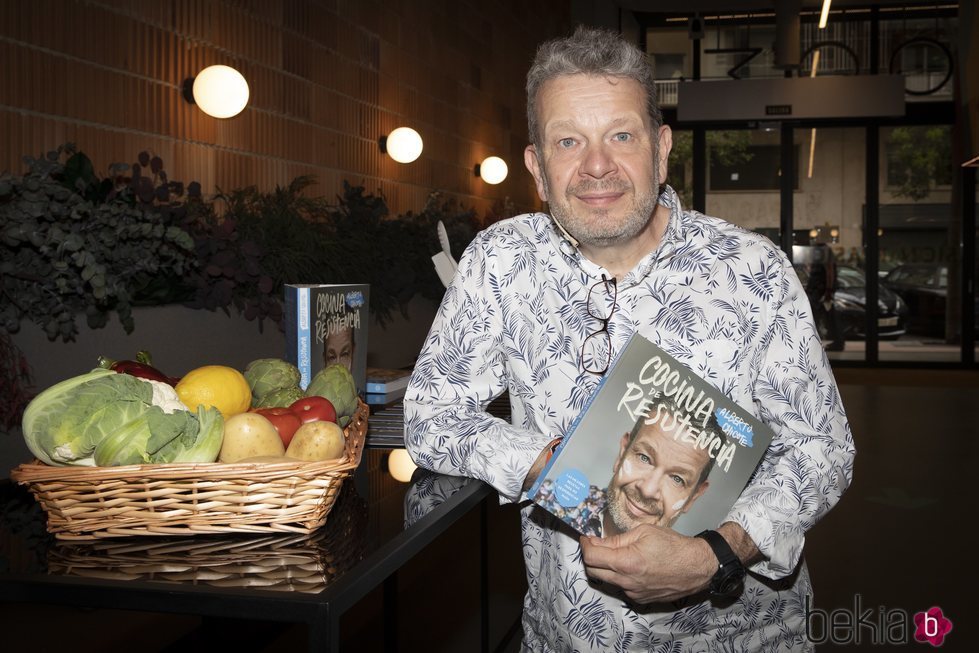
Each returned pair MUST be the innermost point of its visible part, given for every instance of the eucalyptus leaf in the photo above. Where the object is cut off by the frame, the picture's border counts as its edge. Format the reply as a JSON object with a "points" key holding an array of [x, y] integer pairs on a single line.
{"points": [[80, 244]]}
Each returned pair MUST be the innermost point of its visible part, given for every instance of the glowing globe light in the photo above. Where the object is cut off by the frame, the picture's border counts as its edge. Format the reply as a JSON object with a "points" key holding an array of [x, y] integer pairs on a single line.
{"points": [[404, 145], [493, 170], [220, 91]]}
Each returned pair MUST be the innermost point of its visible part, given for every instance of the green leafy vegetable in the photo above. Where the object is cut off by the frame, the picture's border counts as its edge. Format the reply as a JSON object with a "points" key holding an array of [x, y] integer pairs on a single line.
{"points": [[336, 384], [105, 418], [282, 398], [266, 375]]}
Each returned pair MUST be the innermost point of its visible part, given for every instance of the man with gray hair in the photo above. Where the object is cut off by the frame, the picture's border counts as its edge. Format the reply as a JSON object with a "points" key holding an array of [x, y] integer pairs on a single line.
{"points": [[539, 307]]}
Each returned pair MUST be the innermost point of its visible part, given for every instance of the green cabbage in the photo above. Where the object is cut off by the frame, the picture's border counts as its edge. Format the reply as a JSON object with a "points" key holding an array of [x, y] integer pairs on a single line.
{"points": [[106, 418], [336, 384], [155, 437], [266, 375]]}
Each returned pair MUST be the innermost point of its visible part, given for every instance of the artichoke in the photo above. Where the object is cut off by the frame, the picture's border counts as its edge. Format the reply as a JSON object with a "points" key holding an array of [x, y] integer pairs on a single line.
{"points": [[266, 375], [281, 398], [336, 384]]}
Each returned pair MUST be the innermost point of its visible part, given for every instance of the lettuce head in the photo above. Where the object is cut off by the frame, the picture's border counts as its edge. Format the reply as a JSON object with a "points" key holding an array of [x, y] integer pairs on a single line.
{"points": [[106, 418]]}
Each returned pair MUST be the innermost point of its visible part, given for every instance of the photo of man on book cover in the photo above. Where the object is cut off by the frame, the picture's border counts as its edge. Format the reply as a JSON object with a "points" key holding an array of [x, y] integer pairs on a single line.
{"points": [[656, 477], [339, 323], [326, 324]]}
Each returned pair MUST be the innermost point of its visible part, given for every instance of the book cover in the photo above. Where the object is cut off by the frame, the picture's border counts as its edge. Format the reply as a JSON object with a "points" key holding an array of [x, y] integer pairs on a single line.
{"points": [[326, 324], [654, 444], [382, 381]]}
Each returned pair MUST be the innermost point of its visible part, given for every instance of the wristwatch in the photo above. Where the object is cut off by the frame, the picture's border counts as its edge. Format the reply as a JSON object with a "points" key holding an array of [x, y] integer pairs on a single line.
{"points": [[730, 572]]}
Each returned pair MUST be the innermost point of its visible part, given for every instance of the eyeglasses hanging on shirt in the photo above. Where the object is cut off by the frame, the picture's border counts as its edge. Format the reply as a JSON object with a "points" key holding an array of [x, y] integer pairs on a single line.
{"points": [[596, 350]]}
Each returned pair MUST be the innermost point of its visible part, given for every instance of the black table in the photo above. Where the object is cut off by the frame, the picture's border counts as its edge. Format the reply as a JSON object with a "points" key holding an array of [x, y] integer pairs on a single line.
{"points": [[376, 526]]}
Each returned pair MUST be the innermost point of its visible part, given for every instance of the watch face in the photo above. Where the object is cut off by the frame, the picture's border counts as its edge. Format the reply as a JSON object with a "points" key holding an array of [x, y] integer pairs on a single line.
{"points": [[728, 581], [730, 573], [729, 586]]}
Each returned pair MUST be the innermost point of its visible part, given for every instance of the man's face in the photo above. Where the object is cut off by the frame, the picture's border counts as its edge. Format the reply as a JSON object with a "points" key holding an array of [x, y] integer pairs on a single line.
{"points": [[339, 348], [597, 165], [655, 480]]}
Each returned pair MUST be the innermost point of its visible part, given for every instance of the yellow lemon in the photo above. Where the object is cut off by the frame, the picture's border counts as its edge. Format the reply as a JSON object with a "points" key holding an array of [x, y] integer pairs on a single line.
{"points": [[223, 387]]}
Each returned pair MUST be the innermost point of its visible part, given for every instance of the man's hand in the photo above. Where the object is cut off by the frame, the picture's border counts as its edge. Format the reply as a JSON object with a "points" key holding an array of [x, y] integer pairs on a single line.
{"points": [[655, 563], [650, 563]]}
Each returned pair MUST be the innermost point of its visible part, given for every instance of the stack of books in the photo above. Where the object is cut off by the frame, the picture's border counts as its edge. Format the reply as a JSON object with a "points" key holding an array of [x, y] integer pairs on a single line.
{"points": [[386, 426], [385, 386]]}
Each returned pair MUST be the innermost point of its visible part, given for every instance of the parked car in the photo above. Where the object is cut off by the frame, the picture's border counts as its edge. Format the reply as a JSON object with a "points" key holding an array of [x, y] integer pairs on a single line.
{"points": [[850, 303], [924, 288]]}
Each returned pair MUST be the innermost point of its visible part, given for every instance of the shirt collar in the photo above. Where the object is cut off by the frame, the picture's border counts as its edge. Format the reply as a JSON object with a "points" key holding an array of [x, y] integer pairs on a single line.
{"points": [[672, 238]]}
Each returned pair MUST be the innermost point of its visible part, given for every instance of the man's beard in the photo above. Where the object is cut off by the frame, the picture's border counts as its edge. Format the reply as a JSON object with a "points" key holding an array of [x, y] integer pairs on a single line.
{"points": [[594, 228], [622, 519]]}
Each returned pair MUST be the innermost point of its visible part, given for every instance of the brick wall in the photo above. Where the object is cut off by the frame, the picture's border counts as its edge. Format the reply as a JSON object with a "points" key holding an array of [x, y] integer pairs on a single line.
{"points": [[327, 78]]}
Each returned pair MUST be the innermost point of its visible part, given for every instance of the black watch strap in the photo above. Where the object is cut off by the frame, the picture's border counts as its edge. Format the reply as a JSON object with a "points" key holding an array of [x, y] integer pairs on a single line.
{"points": [[730, 572]]}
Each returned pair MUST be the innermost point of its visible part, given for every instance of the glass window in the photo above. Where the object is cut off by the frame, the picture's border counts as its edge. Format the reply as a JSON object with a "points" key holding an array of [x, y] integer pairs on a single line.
{"points": [[758, 167], [668, 66], [733, 156], [917, 241], [975, 307], [738, 51], [670, 52], [919, 159], [828, 214], [680, 171], [920, 49]]}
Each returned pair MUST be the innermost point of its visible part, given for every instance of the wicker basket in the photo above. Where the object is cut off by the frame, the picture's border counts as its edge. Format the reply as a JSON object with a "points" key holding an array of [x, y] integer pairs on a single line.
{"points": [[285, 562], [87, 503]]}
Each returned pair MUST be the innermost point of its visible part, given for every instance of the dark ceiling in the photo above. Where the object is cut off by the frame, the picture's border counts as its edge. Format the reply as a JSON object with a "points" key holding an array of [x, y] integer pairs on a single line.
{"points": [[687, 6]]}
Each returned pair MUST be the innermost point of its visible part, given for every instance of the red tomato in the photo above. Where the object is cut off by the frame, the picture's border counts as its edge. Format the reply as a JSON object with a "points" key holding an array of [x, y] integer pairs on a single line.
{"points": [[284, 420], [314, 409]]}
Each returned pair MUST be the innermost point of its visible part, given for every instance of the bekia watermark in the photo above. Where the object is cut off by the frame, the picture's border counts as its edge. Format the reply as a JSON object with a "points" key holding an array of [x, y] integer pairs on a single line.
{"points": [[883, 626]]}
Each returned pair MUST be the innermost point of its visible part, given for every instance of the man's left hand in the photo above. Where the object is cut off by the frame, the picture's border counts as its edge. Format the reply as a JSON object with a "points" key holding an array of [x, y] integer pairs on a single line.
{"points": [[650, 563]]}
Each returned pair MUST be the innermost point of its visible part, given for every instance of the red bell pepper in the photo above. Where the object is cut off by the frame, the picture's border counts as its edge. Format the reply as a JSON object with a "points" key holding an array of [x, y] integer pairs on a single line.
{"points": [[142, 368]]}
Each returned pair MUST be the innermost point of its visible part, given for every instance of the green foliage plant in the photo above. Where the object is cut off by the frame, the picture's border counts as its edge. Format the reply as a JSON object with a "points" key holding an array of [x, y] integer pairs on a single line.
{"points": [[918, 159], [726, 147], [16, 384], [262, 240], [395, 254], [75, 245]]}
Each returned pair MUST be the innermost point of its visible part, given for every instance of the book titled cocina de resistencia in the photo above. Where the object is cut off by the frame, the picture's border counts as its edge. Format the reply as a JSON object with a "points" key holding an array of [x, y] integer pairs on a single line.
{"points": [[325, 324], [636, 394]]}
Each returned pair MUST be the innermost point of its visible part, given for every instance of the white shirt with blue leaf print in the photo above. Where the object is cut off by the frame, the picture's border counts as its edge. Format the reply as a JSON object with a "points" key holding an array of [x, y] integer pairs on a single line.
{"points": [[722, 300]]}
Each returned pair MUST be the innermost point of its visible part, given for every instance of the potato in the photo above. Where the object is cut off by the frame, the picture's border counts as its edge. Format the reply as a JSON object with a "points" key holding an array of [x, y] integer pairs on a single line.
{"points": [[317, 441], [247, 435]]}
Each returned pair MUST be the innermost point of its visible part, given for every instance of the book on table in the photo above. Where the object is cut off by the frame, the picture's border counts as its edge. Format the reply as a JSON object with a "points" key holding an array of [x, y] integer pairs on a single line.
{"points": [[386, 381], [379, 399], [326, 324], [656, 444]]}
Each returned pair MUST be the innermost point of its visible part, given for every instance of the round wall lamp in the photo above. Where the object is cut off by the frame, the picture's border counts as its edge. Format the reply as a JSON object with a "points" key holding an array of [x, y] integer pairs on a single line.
{"points": [[219, 91], [493, 170], [404, 144]]}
